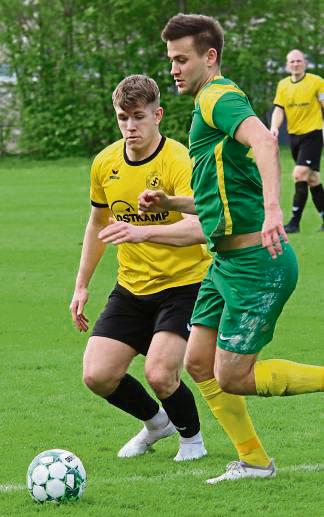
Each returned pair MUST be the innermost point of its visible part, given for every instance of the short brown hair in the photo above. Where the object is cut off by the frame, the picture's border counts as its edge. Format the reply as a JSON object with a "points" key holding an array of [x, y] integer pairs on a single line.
{"points": [[206, 32], [136, 90]]}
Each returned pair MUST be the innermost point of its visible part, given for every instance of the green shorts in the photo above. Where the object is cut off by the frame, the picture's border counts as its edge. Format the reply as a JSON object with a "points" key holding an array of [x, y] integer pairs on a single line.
{"points": [[243, 295]]}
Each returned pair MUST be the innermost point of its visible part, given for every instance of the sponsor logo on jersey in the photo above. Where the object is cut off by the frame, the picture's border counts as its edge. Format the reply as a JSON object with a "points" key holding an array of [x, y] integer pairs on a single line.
{"points": [[298, 104], [115, 174], [126, 213]]}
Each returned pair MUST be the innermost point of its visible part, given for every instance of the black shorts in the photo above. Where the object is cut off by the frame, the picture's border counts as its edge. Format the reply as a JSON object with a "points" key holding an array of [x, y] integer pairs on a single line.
{"points": [[307, 149], [135, 319]]}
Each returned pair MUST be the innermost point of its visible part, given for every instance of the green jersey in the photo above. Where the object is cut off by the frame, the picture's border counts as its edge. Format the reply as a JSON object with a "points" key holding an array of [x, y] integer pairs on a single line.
{"points": [[226, 182]]}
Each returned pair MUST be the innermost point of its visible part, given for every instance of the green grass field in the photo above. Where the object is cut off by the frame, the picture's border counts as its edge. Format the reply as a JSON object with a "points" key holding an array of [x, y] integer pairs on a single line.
{"points": [[44, 405]]}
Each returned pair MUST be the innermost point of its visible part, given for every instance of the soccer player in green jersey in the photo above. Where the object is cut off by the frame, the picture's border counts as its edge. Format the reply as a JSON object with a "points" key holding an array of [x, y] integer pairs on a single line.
{"points": [[236, 184]]}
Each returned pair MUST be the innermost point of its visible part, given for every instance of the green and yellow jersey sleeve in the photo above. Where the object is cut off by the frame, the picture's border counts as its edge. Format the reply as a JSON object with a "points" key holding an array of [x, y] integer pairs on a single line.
{"points": [[224, 107]]}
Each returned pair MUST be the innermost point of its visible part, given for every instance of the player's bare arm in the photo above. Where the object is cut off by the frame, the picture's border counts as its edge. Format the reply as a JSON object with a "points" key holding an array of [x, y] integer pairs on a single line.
{"points": [[183, 233], [277, 119], [157, 200], [252, 133], [92, 251]]}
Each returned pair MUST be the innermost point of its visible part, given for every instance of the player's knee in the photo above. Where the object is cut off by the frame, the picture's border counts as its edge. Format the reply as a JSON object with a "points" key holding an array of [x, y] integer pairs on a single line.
{"points": [[227, 381], [301, 173], [98, 383], [197, 369], [227, 385], [161, 381], [314, 180]]}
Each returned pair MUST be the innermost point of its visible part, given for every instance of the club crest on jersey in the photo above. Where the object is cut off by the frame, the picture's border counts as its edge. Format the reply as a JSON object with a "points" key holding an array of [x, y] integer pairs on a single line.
{"points": [[154, 181]]}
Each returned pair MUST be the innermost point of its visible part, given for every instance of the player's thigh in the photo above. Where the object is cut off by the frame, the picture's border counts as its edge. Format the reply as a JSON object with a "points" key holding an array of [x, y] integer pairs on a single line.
{"points": [[166, 353], [106, 360], [171, 328], [127, 318], [205, 320], [310, 150], [255, 288]]}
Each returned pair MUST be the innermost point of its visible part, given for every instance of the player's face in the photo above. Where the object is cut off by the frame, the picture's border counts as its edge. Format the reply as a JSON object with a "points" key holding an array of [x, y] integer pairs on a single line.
{"points": [[189, 69], [139, 125], [296, 63]]}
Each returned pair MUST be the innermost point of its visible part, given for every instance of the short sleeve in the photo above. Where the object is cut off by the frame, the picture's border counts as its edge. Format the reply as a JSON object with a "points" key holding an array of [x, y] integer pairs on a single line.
{"points": [[97, 193], [230, 110], [320, 90], [279, 97]]}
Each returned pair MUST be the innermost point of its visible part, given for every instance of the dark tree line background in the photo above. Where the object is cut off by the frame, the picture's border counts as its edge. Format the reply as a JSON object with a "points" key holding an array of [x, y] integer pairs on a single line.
{"points": [[68, 55]]}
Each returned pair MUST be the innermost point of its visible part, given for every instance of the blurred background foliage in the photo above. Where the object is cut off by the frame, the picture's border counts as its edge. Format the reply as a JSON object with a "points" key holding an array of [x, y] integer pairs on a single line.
{"points": [[67, 56]]}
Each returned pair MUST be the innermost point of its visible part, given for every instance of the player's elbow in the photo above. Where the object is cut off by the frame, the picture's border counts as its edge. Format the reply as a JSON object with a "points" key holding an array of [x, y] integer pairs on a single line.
{"points": [[195, 233], [265, 144]]}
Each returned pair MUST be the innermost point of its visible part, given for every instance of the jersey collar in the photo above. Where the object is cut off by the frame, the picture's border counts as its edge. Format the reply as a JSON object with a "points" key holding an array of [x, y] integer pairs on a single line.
{"points": [[295, 82], [149, 158], [215, 78]]}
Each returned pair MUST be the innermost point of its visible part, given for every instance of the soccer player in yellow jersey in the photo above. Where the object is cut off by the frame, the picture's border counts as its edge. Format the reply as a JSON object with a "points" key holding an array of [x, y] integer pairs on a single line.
{"points": [[300, 97], [148, 311], [254, 269], [161, 265]]}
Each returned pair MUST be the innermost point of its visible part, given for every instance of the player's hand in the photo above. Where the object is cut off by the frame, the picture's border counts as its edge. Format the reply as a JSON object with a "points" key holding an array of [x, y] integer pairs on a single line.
{"points": [[153, 201], [272, 231], [118, 232], [80, 298]]}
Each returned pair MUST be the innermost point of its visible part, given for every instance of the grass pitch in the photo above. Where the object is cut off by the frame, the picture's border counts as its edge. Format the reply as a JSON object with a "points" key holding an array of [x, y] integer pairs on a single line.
{"points": [[43, 404]]}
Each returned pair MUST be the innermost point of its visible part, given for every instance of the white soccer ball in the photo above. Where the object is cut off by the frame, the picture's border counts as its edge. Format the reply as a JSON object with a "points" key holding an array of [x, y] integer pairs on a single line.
{"points": [[56, 476]]}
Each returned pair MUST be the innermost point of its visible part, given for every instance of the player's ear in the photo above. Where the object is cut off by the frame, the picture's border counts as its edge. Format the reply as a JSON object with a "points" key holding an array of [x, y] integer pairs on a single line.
{"points": [[158, 115], [211, 57]]}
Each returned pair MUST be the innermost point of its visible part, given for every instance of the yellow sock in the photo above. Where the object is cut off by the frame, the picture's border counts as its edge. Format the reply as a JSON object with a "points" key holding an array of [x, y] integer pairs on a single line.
{"points": [[281, 377], [232, 414]]}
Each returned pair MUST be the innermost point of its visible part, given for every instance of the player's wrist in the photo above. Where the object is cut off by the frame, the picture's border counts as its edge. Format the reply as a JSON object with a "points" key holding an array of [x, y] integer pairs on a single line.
{"points": [[273, 207], [81, 284], [168, 202], [145, 233]]}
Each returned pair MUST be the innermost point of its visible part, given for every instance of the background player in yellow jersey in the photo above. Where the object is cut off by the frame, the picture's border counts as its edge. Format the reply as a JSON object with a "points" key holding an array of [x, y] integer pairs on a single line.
{"points": [[300, 97], [149, 309], [254, 269]]}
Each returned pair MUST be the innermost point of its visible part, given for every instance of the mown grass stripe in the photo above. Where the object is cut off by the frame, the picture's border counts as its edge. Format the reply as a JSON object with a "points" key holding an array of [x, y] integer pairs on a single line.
{"points": [[317, 467]]}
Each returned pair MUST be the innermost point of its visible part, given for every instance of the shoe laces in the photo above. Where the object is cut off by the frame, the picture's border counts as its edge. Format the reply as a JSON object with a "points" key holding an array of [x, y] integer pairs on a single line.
{"points": [[234, 466]]}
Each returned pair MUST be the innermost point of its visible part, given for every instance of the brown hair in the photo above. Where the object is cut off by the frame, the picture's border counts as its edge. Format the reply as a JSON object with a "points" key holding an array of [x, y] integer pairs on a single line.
{"points": [[206, 32], [136, 90]]}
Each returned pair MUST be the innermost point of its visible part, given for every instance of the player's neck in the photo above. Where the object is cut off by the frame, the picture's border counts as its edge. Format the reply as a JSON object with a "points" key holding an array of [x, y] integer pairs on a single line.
{"points": [[214, 74], [137, 155], [297, 77]]}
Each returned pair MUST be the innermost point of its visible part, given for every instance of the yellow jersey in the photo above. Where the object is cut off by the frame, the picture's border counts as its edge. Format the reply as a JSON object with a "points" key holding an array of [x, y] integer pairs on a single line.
{"points": [[301, 103], [116, 182]]}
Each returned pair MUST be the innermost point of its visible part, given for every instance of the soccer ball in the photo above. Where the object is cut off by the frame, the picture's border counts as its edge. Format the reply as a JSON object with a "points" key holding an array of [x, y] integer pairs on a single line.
{"points": [[56, 476]]}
